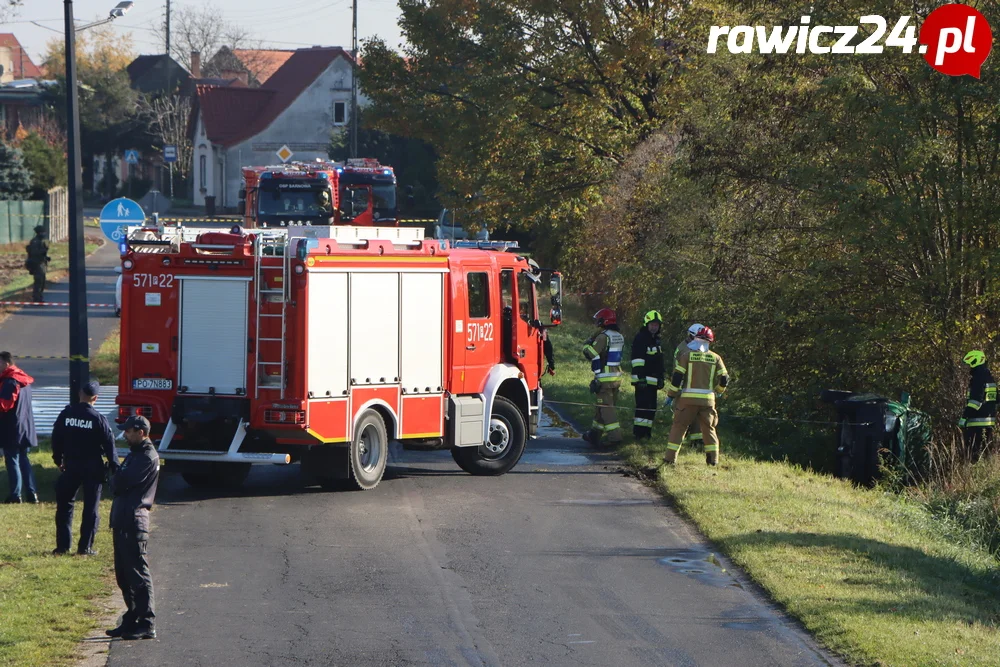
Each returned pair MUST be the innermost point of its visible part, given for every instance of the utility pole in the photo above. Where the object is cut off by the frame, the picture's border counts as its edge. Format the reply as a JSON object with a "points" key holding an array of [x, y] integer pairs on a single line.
{"points": [[79, 346], [167, 31], [354, 85]]}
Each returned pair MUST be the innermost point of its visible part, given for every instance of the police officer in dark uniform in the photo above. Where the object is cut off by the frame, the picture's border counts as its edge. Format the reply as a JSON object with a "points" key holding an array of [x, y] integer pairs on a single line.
{"points": [[134, 486], [81, 436], [37, 263]]}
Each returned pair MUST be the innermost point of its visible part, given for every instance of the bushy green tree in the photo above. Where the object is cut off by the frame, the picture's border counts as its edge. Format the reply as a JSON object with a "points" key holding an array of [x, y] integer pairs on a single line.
{"points": [[46, 163], [15, 179]]}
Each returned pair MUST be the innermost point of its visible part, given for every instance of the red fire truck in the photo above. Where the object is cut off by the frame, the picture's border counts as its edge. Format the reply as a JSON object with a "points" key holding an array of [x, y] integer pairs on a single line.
{"points": [[358, 192], [323, 344]]}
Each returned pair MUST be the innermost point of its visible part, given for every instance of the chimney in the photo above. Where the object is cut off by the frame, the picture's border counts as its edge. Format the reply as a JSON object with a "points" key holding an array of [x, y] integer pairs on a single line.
{"points": [[195, 64], [231, 74]]}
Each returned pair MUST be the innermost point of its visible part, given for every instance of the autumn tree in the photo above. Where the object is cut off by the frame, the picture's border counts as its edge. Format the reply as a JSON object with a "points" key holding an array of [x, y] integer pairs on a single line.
{"points": [[205, 29]]}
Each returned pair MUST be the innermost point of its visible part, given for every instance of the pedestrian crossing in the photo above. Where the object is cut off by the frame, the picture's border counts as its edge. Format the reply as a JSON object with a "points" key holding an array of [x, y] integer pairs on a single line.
{"points": [[48, 402]]}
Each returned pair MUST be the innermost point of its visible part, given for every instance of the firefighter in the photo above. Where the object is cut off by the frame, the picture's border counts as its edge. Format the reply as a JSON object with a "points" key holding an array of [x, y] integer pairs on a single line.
{"points": [[37, 263], [980, 414], [80, 437], [693, 436], [698, 376], [647, 373], [604, 352]]}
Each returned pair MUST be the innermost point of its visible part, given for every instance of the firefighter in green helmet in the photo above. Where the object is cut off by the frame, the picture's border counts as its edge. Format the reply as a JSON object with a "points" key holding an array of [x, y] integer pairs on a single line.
{"points": [[980, 413], [647, 373]]}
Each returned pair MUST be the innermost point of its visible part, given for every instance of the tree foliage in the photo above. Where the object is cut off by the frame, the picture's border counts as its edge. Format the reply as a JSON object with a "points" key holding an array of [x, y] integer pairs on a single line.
{"points": [[15, 179], [205, 29], [46, 162]]}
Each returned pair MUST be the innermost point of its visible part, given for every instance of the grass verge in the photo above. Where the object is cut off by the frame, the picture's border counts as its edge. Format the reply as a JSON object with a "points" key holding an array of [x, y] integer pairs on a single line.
{"points": [[15, 279], [875, 576], [47, 603], [104, 364]]}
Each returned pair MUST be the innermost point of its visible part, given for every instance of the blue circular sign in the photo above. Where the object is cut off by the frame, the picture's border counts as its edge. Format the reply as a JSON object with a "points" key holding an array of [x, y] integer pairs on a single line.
{"points": [[119, 214]]}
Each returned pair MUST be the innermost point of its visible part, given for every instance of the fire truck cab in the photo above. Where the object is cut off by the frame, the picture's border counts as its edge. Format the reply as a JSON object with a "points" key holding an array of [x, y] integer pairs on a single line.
{"points": [[324, 344], [357, 192]]}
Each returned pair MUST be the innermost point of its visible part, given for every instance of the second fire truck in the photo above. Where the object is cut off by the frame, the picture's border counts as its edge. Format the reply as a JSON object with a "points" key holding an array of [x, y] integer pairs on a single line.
{"points": [[323, 344], [357, 192]]}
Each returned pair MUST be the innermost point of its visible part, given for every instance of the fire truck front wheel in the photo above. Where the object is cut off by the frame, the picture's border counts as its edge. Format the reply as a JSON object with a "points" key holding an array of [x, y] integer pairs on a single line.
{"points": [[508, 436], [369, 451]]}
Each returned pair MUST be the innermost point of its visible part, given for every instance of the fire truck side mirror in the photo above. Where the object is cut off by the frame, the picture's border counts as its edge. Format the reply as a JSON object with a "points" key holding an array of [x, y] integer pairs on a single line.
{"points": [[555, 316]]}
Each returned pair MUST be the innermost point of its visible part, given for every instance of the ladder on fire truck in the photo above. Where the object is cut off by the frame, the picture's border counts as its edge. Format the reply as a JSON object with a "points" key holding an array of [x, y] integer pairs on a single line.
{"points": [[270, 245]]}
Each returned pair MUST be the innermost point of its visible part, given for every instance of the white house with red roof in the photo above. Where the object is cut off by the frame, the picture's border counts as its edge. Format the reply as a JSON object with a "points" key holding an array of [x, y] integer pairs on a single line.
{"points": [[298, 106]]}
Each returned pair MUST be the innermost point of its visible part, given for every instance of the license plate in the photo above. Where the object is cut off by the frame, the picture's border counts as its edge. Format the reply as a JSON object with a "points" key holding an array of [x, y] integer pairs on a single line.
{"points": [[152, 383]]}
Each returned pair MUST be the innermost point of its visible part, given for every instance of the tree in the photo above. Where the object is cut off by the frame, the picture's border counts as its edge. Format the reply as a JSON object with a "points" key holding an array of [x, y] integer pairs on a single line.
{"points": [[47, 163], [204, 29], [9, 9], [109, 121], [167, 119], [15, 179], [413, 161], [531, 106]]}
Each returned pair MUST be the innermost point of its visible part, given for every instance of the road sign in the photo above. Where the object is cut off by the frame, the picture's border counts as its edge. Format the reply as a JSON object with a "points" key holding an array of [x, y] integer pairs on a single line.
{"points": [[170, 153], [119, 214], [132, 156], [285, 153]]}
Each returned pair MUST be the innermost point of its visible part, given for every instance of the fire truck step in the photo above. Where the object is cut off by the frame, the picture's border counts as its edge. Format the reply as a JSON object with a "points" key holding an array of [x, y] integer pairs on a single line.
{"points": [[270, 315], [272, 291], [269, 386], [270, 340], [268, 363]]}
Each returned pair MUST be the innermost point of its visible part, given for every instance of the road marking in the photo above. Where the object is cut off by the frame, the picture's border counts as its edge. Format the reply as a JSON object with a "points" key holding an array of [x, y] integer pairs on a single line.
{"points": [[48, 402]]}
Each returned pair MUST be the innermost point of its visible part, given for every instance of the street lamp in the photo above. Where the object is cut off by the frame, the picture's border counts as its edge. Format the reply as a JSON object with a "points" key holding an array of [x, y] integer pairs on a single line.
{"points": [[79, 344], [120, 10]]}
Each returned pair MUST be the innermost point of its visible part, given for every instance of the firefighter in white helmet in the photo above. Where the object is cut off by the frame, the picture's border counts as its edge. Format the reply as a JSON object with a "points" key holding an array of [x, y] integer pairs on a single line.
{"points": [[604, 352], [699, 375], [693, 435]]}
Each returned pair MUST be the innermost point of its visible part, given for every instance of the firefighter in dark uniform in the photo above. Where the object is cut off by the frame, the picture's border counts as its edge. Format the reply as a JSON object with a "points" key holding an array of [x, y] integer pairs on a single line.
{"points": [[980, 414], [134, 487], [604, 352], [37, 263], [647, 373], [81, 436]]}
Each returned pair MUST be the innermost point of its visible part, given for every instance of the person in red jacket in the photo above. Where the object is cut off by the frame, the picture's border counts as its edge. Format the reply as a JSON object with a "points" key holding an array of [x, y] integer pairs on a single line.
{"points": [[17, 428]]}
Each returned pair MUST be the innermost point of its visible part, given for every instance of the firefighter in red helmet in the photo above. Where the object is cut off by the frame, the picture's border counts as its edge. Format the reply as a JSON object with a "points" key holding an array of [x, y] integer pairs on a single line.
{"points": [[604, 352], [698, 377]]}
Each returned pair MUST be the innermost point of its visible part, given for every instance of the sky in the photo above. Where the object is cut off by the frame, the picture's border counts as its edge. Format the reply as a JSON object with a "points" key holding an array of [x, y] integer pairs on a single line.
{"points": [[280, 24]]}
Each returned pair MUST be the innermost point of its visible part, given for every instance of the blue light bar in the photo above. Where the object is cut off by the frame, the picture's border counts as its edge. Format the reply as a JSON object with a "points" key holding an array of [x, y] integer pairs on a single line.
{"points": [[266, 174], [123, 247], [486, 245], [324, 175]]}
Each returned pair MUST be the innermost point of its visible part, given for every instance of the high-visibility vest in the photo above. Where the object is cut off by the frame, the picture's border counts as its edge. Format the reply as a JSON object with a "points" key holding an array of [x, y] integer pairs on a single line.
{"points": [[605, 354], [698, 376]]}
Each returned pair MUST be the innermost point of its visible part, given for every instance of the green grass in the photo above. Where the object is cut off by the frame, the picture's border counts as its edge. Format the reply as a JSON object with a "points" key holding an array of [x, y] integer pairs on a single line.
{"points": [[47, 603], [14, 282], [104, 364], [875, 576]]}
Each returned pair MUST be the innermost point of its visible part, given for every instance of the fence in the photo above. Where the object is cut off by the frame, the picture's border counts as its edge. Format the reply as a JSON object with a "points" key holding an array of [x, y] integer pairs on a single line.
{"points": [[18, 219]]}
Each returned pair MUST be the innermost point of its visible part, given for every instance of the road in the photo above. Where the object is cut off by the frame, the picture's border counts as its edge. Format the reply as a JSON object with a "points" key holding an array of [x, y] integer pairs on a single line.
{"points": [[564, 561], [44, 331]]}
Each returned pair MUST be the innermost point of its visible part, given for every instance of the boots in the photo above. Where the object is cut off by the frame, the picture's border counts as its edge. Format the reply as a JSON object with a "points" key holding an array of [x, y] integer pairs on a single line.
{"points": [[712, 458], [671, 457]]}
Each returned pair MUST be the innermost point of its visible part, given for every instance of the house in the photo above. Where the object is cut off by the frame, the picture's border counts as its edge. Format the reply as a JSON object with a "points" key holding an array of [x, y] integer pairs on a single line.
{"points": [[299, 105], [15, 63], [252, 66], [157, 74], [22, 104]]}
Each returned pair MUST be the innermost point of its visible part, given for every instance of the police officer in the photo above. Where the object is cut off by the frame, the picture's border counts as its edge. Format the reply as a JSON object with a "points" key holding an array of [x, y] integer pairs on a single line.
{"points": [[80, 437], [604, 352], [980, 415], [38, 261], [134, 487], [647, 373]]}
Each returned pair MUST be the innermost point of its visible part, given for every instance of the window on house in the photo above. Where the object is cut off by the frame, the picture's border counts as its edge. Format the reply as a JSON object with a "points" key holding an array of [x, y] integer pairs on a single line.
{"points": [[202, 167], [339, 113]]}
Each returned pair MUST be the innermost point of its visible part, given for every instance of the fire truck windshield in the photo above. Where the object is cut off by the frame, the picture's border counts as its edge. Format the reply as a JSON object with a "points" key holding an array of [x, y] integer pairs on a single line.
{"points": [[294, 199]]}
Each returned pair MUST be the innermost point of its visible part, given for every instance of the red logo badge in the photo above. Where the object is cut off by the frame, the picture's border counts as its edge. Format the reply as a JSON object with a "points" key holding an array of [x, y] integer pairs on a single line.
{"points": [[955, 40]]}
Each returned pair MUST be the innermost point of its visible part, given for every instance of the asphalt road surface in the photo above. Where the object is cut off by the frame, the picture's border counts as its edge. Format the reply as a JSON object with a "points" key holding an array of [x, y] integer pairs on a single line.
{"points": [[564, 561], [34, 332]]}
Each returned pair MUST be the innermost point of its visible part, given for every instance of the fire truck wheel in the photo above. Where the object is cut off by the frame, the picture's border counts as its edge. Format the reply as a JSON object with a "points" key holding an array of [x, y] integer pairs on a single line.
{"points": [[197, 480], [507, 437], [232, 475], [369, 451]]}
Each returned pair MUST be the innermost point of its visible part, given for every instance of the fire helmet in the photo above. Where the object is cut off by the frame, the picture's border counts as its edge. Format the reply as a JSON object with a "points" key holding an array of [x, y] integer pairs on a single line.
{"points": [[694, 329], [975, 358], [652, 316], [605, 317], [706, 334]]}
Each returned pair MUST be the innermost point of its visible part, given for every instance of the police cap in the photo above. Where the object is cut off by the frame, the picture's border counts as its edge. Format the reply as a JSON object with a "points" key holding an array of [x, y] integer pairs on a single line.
{"points": [[137, 422], [92, 388]]}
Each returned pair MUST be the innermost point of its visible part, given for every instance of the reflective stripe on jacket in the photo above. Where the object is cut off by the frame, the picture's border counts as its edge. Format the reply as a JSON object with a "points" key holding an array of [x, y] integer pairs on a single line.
{"points": [[604, 351], [698, 376]]}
